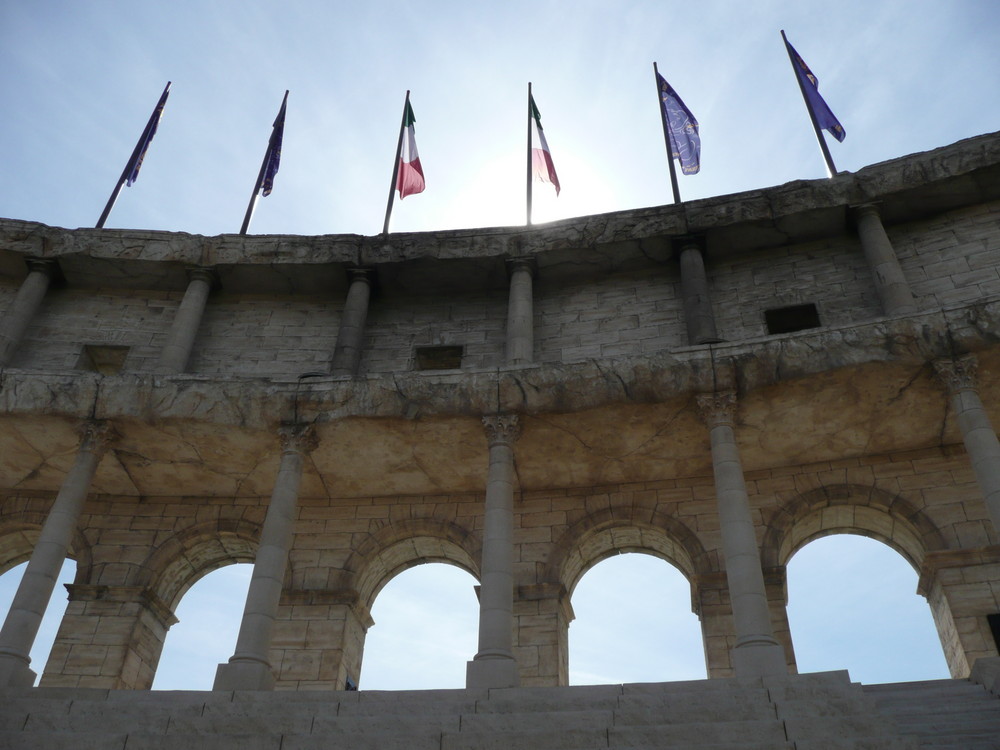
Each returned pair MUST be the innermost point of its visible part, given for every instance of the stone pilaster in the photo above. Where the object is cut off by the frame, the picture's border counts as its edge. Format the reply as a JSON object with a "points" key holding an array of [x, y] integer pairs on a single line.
{"points": [[33, 594], [248, 667], [520, 313], [757, 652], [29, 297], [959, 376], [698, 312], [319, 639], [542, 613], [494, 664], [110, 637], [350, 336], [177, 351], [890, 283]]}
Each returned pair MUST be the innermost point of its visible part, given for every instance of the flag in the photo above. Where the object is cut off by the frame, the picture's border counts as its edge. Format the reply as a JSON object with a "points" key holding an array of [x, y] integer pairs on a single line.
{"points": [[272, 158], [825, 119], [410, 175], [132, 170], [541, 158], [682, 127]]}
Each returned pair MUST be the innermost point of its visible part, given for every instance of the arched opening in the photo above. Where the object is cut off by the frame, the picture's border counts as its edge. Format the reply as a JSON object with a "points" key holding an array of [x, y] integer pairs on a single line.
{"points": [[852, 604], [426, 629], [209, 616], [54, 612], [634, 624]]}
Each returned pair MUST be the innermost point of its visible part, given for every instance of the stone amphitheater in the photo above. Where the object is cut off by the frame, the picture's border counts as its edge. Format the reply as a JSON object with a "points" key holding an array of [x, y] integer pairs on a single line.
{"points": [[716, 383]]}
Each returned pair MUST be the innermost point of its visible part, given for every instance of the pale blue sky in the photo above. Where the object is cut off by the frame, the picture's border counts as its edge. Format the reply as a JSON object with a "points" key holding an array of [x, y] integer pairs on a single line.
{"points": [[79, 79]]}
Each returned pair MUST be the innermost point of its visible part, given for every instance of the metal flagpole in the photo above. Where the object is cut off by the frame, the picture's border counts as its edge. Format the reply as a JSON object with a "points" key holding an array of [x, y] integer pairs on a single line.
{"points": [[831, 169], [667, 140], [263, 166], [137, 153], [395, 171], [529, 153]]}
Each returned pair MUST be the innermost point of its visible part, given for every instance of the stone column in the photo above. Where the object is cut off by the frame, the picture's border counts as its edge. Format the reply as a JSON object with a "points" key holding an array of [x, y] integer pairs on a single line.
{"points": [[757, 652], [35, 590], [520, 315], [184, 329], [248, 667], [959, 375], [29, 298], [494, 665], [694, 290], [350, 337], [893, 290]]}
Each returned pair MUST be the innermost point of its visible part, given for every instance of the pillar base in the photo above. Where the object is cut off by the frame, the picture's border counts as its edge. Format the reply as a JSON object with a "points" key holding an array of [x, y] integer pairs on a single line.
{"points": [[244, 675], [15, 673], [763, 660], [492, 673]]}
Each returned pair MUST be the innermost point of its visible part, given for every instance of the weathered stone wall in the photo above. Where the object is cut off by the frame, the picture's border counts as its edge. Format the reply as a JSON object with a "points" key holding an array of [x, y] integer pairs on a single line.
{"points": [[398, 323], [831, 274], [267, 337], [69, 319], [951, 259], [610, 316]]}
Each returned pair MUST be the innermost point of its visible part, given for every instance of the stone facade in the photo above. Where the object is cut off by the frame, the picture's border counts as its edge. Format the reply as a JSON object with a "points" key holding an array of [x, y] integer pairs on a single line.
{"points": [[845, 425]]}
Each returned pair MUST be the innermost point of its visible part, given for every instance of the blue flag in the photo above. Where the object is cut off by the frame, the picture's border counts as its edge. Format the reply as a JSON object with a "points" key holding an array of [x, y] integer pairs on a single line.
{"points": [[132, 170], [825, 119], [273, 157], [685, 143]]}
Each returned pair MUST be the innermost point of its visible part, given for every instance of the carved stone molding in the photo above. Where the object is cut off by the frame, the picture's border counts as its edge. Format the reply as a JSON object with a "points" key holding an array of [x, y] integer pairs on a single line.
{"points": [[502, 429], [957, 374], [361, 274], [717, 408], [298, 438]]}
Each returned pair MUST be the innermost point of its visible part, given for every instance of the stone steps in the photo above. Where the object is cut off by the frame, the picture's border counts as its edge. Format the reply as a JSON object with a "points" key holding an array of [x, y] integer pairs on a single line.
{"points": [[805, 712], [942, 713]]}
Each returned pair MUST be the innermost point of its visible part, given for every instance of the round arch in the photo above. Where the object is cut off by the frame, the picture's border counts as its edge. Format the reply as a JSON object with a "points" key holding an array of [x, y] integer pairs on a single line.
{"points": [[850, 509], [397, 547], [19, 531], [173, 567], [613, 531]]}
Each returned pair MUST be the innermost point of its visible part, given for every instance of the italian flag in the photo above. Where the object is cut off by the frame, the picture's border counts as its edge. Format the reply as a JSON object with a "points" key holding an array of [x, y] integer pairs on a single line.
{"points": [[410, 177], [541, 158]]}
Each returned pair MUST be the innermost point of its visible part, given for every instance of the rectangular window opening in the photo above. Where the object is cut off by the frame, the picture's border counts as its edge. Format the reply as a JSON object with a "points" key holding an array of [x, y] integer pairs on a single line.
{"points": [[439, 357], [791, 319], [107, 360]]}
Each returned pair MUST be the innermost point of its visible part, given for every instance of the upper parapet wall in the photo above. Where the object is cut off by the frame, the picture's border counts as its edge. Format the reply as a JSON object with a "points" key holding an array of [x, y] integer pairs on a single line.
{"points": [[915, 186]]}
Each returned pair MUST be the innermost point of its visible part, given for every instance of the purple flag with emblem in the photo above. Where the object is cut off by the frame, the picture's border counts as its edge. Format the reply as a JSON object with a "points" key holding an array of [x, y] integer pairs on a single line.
{"points": [[825, 119], [682, 127]]}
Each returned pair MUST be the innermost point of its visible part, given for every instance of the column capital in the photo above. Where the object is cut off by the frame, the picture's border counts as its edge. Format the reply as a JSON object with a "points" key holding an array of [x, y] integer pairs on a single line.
{"points": [[502, 429], [957, 374], [48, 266], [96, 435], [717, 408], [867, 209], [522, 262], [298, 438], [203, 273], [361, 273]]}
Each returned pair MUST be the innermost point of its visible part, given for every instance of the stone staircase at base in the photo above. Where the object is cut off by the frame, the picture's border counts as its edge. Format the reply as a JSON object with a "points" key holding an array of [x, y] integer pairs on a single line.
{"points": [[954, 714], [806, 712]]}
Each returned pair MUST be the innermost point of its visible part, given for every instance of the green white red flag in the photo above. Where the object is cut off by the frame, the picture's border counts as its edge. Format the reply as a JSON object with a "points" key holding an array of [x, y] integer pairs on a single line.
{"points": [[410, 177], [541, 158]]}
